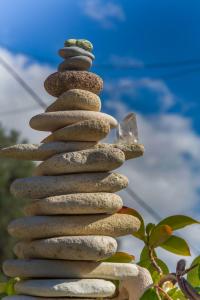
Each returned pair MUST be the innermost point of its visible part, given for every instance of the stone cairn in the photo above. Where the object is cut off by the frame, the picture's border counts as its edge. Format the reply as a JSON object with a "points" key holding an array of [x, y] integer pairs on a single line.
{"points": [[71, 222]]}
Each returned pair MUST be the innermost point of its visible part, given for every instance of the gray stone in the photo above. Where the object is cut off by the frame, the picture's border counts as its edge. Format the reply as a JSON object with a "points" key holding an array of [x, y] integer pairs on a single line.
{"points": [[79, 63], [38, 227], [59, 82], [23, 297], [46, 186], [91, 160], [68, 247], [75, 204], [74, 51], [76, 99], [42, 151], [52, 121], [43, 268], [66, 288]]}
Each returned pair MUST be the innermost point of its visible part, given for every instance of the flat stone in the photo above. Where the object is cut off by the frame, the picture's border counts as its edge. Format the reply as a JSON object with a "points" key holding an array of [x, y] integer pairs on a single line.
{"points": [[41, 268], [66, 288], [42, 151], [68, 247], [75, 204], [79, 63], [76, 99], [59, 82], [74, 51], [52, 121], [91, 160], [38, 227], [46, 186], [85, 131], [23, 297]]}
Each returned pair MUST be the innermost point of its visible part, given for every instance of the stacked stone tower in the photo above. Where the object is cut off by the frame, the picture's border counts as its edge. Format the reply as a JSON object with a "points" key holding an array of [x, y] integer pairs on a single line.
{"points": [[71, 222]]}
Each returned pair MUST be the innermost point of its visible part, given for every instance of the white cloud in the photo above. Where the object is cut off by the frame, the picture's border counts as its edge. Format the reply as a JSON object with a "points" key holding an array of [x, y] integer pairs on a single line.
{"points": [[106, 13], [13, 97], [167, 177], [134, 87]]}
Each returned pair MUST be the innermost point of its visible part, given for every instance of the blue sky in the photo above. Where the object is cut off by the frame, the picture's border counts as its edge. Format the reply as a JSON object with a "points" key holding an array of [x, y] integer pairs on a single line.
{"points": [[149, 31], [126, 32]]}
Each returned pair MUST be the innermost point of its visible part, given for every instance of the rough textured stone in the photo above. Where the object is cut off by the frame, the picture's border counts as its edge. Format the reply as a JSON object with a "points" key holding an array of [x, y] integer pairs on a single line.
{"points": [[68, 247], [59, 82], [130, 150], [66, 288], [52, 121], [76, 99], [79, 63], [91, 160], [38, 227], [134, 288], [46, 186], [88, 131], [41, 268], [42, 151], [74, 51], [83, 203]]}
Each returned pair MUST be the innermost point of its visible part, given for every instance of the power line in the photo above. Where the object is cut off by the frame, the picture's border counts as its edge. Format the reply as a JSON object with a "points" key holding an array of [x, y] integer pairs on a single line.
{"points": [[132, 65], [151, 211], [21, 81]]}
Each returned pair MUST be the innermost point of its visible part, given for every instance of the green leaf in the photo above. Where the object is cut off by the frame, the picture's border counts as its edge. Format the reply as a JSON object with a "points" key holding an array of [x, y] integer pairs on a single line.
{"points": [[178, 221], [193, 275], [2, 287], [140, 234], [159, 235], [149, 228], [176, 294], [150, 294], [145, 254], [176, 245], [148, 265], [120, 257]]}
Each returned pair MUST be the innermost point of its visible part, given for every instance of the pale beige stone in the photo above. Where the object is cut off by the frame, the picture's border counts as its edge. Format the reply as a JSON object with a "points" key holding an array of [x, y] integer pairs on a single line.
{"points": [[46, 186], [23, 297], [51, 121], [88, 131], [68, 247], [70, 204], [91, 160], [38, 227], [76, 99], [43, 268], [44, 151], [66, 288]]}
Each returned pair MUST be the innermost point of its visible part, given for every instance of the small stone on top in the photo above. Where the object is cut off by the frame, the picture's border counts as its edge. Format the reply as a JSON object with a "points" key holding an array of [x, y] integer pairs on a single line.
{"points": [[82, 43]]}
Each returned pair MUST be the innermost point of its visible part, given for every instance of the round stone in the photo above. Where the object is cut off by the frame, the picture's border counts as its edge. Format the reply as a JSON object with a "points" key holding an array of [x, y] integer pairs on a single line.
{"points": [[76, 99], [74, 51], [41, 268], [59, 82], [42, 151], [38, 227], [85, 131], [68, 247], [79, 63], [52, 121], [75, 204], [46, 186], [66, 288], [91, 160]]}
